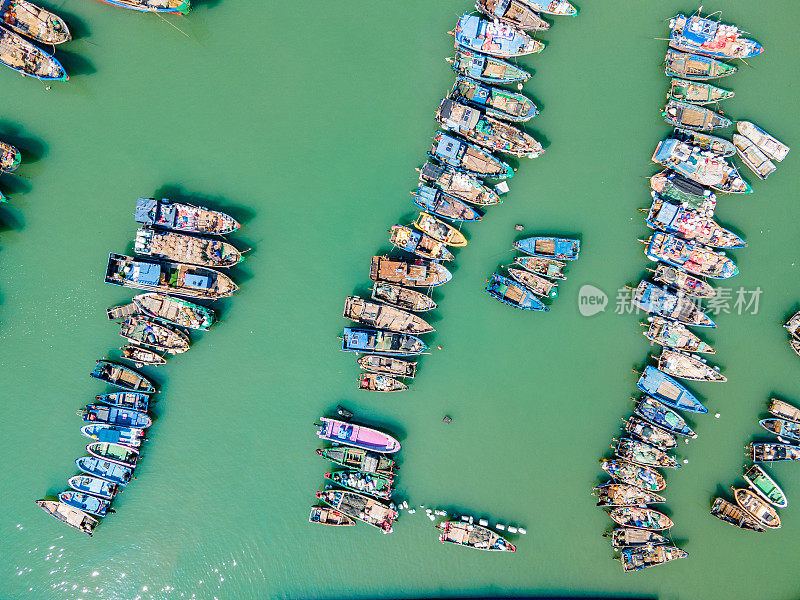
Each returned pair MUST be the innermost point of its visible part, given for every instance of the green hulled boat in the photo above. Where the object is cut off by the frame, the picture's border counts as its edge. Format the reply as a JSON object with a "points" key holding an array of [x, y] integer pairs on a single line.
{"points": [[696, 92]]}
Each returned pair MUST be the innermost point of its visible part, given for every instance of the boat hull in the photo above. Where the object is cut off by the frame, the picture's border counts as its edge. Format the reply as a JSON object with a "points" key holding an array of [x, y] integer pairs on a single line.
{"points": [[183, 8]]}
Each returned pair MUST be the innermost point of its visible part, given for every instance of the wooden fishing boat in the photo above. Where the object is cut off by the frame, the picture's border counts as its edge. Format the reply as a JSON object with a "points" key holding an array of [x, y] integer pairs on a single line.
{"points": [[688, 366], [554, 269], [793, 325], [624, 494], [754, 158], [693, 66], [640, 518], [694, 258], [174, 310], [402, 297], [130, 400], [141, 357], [666, 390], [672, 334], [685, 90], [19, 54], [663, 416], [34, 22], [157, 6], [730, 513], [376, 382], [691, 116], [513, 294], [183, 217], [379, 486], [486, 68], [360, 507], [494, 101], [74, 517], [472, 536], [468, 157], [650, 434], [413, 273], [439, 230], [87, 503], [150, 332], [772, 147], [636, 559], [382, 316], [759, 509], [536, 284], [190, 249], [795, 345], [713, 38], [628, 537], [513, 12], [704, 167], [764, 485], [114, 434], [560, 8], [705, 141], [493, 37], [375, 341], [640, 476], [110, 471], [784, 429], [674, 187], [682, 282], [486, 131], [116, 453], [124, 417], [10, 158], [357, 436], [322, 515], [774, 452], [550, 247], [444, 205], [121, 377], [93, 485], [458, 185], [691, 225], [358, 459], [644, 454], [418, 243], [388, 365], [661, 302], [168, 277], [784, 410]]}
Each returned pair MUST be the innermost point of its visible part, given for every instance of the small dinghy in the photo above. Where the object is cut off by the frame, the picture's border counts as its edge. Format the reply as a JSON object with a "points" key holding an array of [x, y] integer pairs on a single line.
{"points": [[705, 141], [115, 434], [486, 68], [628, 537], [174, 310], [757, 508], [388, 365], [693, 66], [650, 434], [713, 38], [535, 283], [774, 452], [640, 518], [560, 8], [554, 269], [379, 486], [493, 37], [141, 357], [754, 158], [322, 515], [477, 537], [696, 92], [663, 416], [356, 436], [129, 400], [636, 559], [439, 230], [382, 316], [110, 415], [86, 502], [681, 281], [784, 410], [374, 341], [121, 377], [513, 12], [694, 258], [157, 6], [703, 166], [640, 476], [402, 297], [550, 247], [674, 187], [672, 334], [468, 157], [513, 294], [19, 54], [764, 485], [732, 514], [444, 205], [10, 158], [644, 454], [359, 460], [116, 453], [93, 485], [183, 217], [772, 147], [149, 332], [376, 382], [360, 507], [110, 471], [69, 515], [691, 225], [624, 494], [660, 302], [456, 184], [34, 22], [413, 273], [418, 243], [784, 429], [665, 389], [179, 247], [687, 366], [494, 101], [691, 116]]}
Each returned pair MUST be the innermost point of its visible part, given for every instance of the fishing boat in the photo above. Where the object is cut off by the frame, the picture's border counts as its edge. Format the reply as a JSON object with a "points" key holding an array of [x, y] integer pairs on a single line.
{"points": [[772, 147], [360, 507], [663, 416], [640, 518], [190, 249], [624, 494], [486, 131], [693, 66], [174, 310], [322, 515], [34, 22], [774, 452], [10, 158], [513, 12], [488, 69], [644, 454], [93, 485], [636, 559], [704, 167], [183, 217], [660, 302], [382, 316], [114, 434], [550, 247], [705, 141], [535, 283], [730, 513], [376, 382], [358, 459], [642, 477], [554, 269], [672, 334], [19, 54], [100, 413], [665, 389], [357, 436], [691, 116], [793, 325], [413, 273], [759, 509], [116, 453], [764, 485], [418, 243], [121, 377], [458, 185], [682, 282], [468, 157], [374, 341], [439, 230], [560, 8], [696, 92], [754, 158], [705, 36], [110, 471], [473, 536], [795, 345], [513, 294], [401, 297], [141, 357], [628, 537], [688, 366], [444, 205], [86, 502], [493, 37], [74, 517], [674, 187], [650, 434], [131, 400], [692, 257], [494, 101], [691, 225], [150, 332], [168, 277], [379, 486], [388, 365], [157, 6], [784, 410], [784, 429]]}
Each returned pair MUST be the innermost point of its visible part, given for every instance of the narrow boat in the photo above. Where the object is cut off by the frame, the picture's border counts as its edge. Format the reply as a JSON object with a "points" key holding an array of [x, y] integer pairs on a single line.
{"points": [[413, 273], [121, 377], [553, 7], [691, 116], [116, 453], [115, 434], [376, 382], [784, 429], [458, 185], [34, 22], [705, 141], [774, 452], [665, 389], [628, 537], [784, 410], [663, 416], [374, 341], [93, 485], [124, 417], [493, 37], [183, 217], [640, 518], [685, 90], [360, 507], [704, 167], [358, 459], [754, 158], [141, 357], [624, 494], [379, 486], [486, 131], [388, 365], [402, 297], [473, 536], [636, 559], [131, 400], [439, 230], [444, 205], [418, 243], [632, 474], [660, 302], [713, 38], [730, 513], [382, 316], [692, 257], [486, 68], [86, 502], [174, 310], [357, 436], [150, 332], [10, 158], [682, 282], [674, 187], [157, 6], [190, 249], [650, 434], [672, 334], [764, 485], [550, 247], [19, 54], [513, 12], [121, 311], [688, 366], [513, 294], [494, 101], [691, 225], [772, 147], [644, 454], [759, 509], [322, 515], [468, 157], [74, 517], [535, 283], [693, 66], [554, 269], [110, 471]]}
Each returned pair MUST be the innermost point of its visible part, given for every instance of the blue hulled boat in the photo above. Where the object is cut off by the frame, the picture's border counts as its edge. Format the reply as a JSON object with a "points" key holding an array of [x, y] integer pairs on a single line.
{"points": [[93, 485], [132, 400], [375, 341], [19, 54], [495, 38], [444, 205], [157, 6], [110, 471], [121, 377], [513, 294], [552, 7], [658, 301], [665, 389], [712, 38], [86, 502], [100, 413], [690, 257], [462, 155], [114, 434], [550, 247]]}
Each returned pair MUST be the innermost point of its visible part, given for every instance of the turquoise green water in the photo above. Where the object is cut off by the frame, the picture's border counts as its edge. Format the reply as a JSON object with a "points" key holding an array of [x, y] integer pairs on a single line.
{"points": [[306, 122]]}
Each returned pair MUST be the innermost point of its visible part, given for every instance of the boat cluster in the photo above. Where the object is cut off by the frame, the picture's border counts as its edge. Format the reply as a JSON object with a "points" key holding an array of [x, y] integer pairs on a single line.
{"points": [[10, 159]]}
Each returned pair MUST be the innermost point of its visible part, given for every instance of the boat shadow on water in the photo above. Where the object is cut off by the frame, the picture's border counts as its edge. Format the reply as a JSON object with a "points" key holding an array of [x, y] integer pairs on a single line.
{"points": [[75, 64], [11, 218], [78, 28]]}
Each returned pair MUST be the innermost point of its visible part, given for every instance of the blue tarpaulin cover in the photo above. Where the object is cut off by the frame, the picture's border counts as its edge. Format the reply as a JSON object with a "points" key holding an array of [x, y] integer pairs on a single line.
{"points": [[145, 273], [198, 281]]}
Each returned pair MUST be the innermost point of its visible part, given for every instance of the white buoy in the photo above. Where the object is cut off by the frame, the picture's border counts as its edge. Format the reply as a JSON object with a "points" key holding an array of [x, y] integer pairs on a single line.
{"points": [[411, 511], [716, 415], [686, 461], [512, 529], [500, 526], [428, 511], [523, 531], [431, 517], [483, 523], [470, 520]]}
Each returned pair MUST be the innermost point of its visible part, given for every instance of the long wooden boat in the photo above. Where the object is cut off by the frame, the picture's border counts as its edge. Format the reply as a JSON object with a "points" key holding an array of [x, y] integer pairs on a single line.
{"points": [[472, 536], [488, 69], [660, 302], [402, 297], [360, 507], [115, 434], [444, 205], [150, 332], [468, 157], [644, 454], [691, 225], [685, 90], [19, 54], [322, 515], [110, 415], [783, 428], [130, 400], [769, 145], [375, 341], [183, 217], [439, 230], [190, 249], [418, 243], [666, 390], [640, 518], [694, 258], [116, 453], [86, 502], [688, 366], [663, 416], [493, 37], [174, 310], [93, 485], [377, 382], [548, 267], [168, 277], [757, 508], [784, 410], [693, 66], [357, 436], [457, 184], [672, 334], [141, 357], [691, 116], [10, 158], [379, 486], [412, 273], [513, 12], [628, 537], [388, 365], [157, 6], [627, 472], [34, 22], [625, 494], [121, 377], [360, 460], [704, 167], [682, 282], [764, 485], [674, 187], [560, 8], [636, 559], [383, 316], [535, 283], [104, 469], [732, 514], [713, 38], [705, 141], [513, 294], [494, 101], [793, 325], [650, 434], [774, 452], [550, 247], [74, 517], [754, 158]]}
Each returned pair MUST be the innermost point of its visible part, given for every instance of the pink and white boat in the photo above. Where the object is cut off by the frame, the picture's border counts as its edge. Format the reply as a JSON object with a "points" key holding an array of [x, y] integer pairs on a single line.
{"points": [[357, 436]]}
